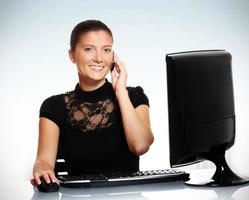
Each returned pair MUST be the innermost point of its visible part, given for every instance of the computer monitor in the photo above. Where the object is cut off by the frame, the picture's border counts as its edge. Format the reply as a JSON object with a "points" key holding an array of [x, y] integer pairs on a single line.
{"points": [[201, 112]]}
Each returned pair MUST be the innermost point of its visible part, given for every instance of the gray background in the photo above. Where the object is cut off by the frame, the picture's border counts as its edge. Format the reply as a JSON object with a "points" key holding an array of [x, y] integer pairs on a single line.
{"points": [[34, 38]]}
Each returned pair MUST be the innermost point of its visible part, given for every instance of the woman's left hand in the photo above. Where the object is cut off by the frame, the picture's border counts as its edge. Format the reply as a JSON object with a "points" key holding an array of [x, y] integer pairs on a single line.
{"points": [[119, 76]]}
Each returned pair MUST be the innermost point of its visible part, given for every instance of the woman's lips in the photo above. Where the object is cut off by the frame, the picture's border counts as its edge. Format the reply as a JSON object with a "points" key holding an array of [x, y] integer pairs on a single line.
{"points": [[97, 67]]}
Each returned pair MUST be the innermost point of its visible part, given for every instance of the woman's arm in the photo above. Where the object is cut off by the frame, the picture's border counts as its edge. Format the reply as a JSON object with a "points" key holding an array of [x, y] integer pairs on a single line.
{"points": [[136, 125], [46, 152], [136, 121]]}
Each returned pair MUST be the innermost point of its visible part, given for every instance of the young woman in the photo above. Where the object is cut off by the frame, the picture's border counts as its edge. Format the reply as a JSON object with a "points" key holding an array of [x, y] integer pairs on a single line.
{"points": [[99, 126]]}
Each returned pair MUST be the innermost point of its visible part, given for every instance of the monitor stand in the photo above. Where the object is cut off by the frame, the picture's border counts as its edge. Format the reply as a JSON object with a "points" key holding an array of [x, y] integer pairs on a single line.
{"points": [[223, 175]]}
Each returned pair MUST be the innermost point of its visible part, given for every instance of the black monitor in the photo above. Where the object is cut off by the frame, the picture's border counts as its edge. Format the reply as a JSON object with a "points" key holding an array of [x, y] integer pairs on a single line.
{"points": [[201, 112]]}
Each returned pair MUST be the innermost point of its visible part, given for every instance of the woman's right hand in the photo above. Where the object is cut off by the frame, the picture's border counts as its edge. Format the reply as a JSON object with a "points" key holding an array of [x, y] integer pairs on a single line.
{"points": [[44, 170]]}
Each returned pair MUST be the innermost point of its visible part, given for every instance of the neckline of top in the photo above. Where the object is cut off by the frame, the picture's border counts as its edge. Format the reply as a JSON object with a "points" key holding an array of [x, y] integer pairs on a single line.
{"points": [[99, 92]]}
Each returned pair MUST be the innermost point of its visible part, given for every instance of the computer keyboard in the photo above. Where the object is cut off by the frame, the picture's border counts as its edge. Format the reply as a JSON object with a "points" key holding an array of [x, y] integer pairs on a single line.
{"points": [[123, 178]]}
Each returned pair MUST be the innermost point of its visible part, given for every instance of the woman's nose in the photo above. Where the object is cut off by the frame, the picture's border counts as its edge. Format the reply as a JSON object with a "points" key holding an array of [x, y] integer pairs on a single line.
{"points": [[98, 57]]}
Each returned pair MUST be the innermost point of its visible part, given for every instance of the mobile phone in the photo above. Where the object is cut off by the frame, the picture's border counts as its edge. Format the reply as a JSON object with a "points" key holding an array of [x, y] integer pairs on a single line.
{"points": [[112, 67], [113, 63]]}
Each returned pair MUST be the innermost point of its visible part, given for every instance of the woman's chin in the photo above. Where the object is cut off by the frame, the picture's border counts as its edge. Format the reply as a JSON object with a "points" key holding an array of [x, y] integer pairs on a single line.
{"points": [[98, 79], [98, 76]]}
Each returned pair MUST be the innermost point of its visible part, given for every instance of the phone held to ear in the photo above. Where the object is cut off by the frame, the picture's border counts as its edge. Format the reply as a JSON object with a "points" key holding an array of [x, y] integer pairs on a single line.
{"points": [[112, 67]]}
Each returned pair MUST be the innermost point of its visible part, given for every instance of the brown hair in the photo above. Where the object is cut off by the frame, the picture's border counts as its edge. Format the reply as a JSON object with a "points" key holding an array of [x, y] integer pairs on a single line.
{"points": [[84, 27]]}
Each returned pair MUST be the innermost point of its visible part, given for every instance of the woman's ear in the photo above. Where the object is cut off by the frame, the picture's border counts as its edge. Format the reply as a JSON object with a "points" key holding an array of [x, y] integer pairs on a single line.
{"points": [[71, 55]]}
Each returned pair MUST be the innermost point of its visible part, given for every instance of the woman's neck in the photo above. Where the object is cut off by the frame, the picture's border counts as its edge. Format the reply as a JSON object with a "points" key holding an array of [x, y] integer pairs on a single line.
{"points": [[91, 84]]}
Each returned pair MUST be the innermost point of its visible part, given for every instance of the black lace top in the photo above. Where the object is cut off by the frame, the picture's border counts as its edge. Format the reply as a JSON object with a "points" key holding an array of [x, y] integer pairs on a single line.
{"points": [[91, 131]]}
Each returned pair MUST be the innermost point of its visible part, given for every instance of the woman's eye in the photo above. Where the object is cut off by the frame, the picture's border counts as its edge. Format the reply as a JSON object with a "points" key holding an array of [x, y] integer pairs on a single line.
{"points": [[87, 49], [108, 50]]}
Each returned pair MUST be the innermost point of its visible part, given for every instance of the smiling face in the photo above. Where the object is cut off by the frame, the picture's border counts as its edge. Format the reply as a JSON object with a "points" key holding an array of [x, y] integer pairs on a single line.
{"points": [[93, 57]]}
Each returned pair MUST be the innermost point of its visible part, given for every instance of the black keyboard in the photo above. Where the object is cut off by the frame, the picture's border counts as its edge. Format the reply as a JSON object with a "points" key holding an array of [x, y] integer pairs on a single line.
{"points": [[123, 178]]}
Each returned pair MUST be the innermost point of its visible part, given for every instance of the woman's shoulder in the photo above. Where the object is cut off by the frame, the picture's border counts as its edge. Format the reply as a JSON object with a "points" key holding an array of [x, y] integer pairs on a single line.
{"points": [[54, 99], [132, 89], [58, 98], [137, 95], [53, 109]]}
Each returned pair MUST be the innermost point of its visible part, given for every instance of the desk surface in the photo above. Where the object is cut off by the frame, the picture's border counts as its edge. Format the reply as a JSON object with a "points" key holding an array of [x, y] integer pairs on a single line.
{"points": [[23, 190]]}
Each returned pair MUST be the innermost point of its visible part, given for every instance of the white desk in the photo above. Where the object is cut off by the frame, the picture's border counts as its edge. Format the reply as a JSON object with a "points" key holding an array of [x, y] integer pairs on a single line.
{"points": [[23, 190]]}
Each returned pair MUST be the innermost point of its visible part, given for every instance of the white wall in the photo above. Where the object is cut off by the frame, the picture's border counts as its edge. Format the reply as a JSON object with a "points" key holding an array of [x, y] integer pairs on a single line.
{"points": [[34, 38]]}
